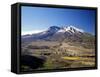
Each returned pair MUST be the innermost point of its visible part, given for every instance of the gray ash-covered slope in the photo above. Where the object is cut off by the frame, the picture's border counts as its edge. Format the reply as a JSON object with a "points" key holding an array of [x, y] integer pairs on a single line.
{"points": [[55, 33]]}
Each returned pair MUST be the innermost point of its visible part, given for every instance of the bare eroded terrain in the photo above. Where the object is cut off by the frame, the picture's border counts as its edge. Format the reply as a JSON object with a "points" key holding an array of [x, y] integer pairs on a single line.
{"points": [[59, 54]]}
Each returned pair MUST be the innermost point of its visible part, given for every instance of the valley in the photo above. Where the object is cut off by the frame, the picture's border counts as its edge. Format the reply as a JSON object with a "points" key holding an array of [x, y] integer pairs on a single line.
{"points": [[60, 54]]}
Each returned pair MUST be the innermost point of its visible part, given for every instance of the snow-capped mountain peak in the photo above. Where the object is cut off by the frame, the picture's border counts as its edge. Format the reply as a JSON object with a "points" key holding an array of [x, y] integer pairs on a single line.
{"points": [[56, 30], [71, 29], [55, 33]]}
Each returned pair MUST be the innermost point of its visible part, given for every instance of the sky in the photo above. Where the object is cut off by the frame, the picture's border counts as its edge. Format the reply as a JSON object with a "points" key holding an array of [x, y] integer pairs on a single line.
{"points": [[38, 19]]}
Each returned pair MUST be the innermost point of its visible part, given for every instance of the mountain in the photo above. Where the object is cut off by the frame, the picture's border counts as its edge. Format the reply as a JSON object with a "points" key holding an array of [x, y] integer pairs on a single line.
{"points": [[55, 33], [58, 47]]}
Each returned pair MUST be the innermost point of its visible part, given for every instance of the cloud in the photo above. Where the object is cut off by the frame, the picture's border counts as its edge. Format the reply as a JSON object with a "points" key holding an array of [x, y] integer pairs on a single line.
{"points": [[31, 32]]}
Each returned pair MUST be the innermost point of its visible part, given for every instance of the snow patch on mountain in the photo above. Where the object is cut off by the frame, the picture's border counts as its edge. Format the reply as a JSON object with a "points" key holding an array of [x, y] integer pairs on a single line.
{"points": [[70, 29]]}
